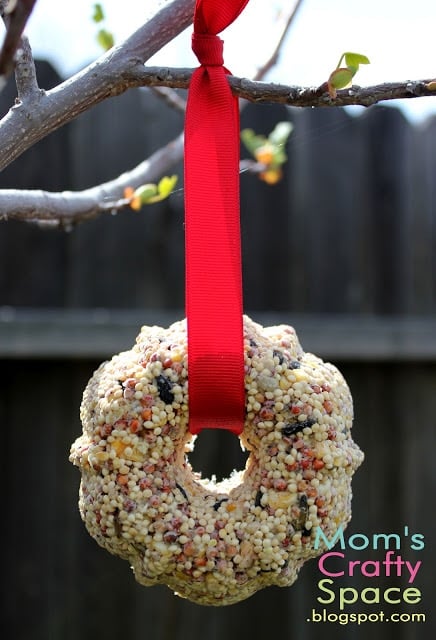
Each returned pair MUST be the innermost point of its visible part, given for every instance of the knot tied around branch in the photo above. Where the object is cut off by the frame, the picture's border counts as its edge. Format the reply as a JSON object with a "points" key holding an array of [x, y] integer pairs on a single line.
{"points": [[208, 48]]}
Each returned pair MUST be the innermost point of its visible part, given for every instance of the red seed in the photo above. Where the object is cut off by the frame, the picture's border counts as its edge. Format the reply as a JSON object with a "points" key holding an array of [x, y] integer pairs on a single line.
{"points": [[328, 406], [106, 430], [307, 409], [295, 410], [266, 413], [170, 536], [331, 433], [147, 401], [145, 483], [134, 425], [311, 492], [301, 486], [280, 484], [176, 523], [146, 414], [167, 363], [129, 505], [200, 562], [188, 548], [231, 549], [318, 464]]}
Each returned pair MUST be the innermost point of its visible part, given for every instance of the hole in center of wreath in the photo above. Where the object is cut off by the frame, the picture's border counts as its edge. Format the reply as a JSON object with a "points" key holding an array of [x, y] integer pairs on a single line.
{"points": [[217, 454]]}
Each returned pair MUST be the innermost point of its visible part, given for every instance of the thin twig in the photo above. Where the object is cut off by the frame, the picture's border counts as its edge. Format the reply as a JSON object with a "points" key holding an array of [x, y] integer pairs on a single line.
{"points": [[273, 59], [171, 98], [25, 72], [15, 17]]}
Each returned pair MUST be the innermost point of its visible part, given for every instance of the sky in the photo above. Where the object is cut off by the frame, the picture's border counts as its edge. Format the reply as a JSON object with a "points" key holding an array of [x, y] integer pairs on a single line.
{"points": [[396, 35]]}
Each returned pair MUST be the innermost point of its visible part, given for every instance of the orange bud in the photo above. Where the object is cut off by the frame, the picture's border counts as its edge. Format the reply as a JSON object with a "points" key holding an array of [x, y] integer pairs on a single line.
{"points": [[271, 176]]}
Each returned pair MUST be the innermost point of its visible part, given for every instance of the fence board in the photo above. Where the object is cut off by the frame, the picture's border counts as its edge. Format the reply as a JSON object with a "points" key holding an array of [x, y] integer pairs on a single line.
{"points": [[100, 333]]}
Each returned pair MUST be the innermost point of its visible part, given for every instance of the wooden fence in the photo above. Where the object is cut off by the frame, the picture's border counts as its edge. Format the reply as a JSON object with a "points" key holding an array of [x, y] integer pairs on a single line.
{"points": [[344, 248]]}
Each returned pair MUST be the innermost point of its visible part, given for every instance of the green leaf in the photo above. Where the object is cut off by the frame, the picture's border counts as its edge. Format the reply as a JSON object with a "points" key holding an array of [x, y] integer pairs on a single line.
{"points": [[251, 140], [280, 133], [340, 78], [352, 60], [105, 39], [280, 157], [146, 192], [166, 186], [98, 15]]}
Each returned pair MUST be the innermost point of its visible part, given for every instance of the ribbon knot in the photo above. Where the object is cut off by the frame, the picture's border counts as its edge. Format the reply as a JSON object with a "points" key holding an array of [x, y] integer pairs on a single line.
{"points": [[208, 48]]}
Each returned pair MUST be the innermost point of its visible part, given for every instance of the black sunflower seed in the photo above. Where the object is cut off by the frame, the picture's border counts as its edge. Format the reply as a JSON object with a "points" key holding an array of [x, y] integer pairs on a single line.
{"points": [[164, 389]]}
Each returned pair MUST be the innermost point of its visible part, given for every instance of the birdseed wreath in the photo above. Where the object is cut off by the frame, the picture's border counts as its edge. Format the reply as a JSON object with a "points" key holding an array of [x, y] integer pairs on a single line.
{"points": [[215, 543]]}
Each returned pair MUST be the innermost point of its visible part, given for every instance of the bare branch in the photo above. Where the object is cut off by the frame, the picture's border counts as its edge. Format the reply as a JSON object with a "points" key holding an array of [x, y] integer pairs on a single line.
{"points": [[273, 59], [15, 15], [39, 113], [171, 98], [110, 75], [71, 207], [65, 209], [25, 72], [123, 67], [319, 97], [263, 92], [21, 128]]}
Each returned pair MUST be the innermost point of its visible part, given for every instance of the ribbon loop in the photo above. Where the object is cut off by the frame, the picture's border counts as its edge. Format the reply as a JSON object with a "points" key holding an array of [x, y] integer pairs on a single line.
{"points": [[208, 49], [212, 231]]}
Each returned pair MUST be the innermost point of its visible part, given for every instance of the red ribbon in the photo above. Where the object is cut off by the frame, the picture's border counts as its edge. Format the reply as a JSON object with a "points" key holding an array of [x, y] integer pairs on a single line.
{"points": [[212, 234]]}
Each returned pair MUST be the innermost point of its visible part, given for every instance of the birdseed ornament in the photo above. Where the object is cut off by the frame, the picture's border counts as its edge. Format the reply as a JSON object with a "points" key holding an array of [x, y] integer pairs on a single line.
{"points": [[215, 543]]}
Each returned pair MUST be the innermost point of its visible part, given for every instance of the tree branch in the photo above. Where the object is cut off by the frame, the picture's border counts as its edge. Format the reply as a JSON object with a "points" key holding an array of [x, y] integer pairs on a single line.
{"points": [[39, 113], [291, 95], [110, 75], [123, 67], [69, 207], [25, 72], [273, 59], [15, 15], [171, 98]]}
